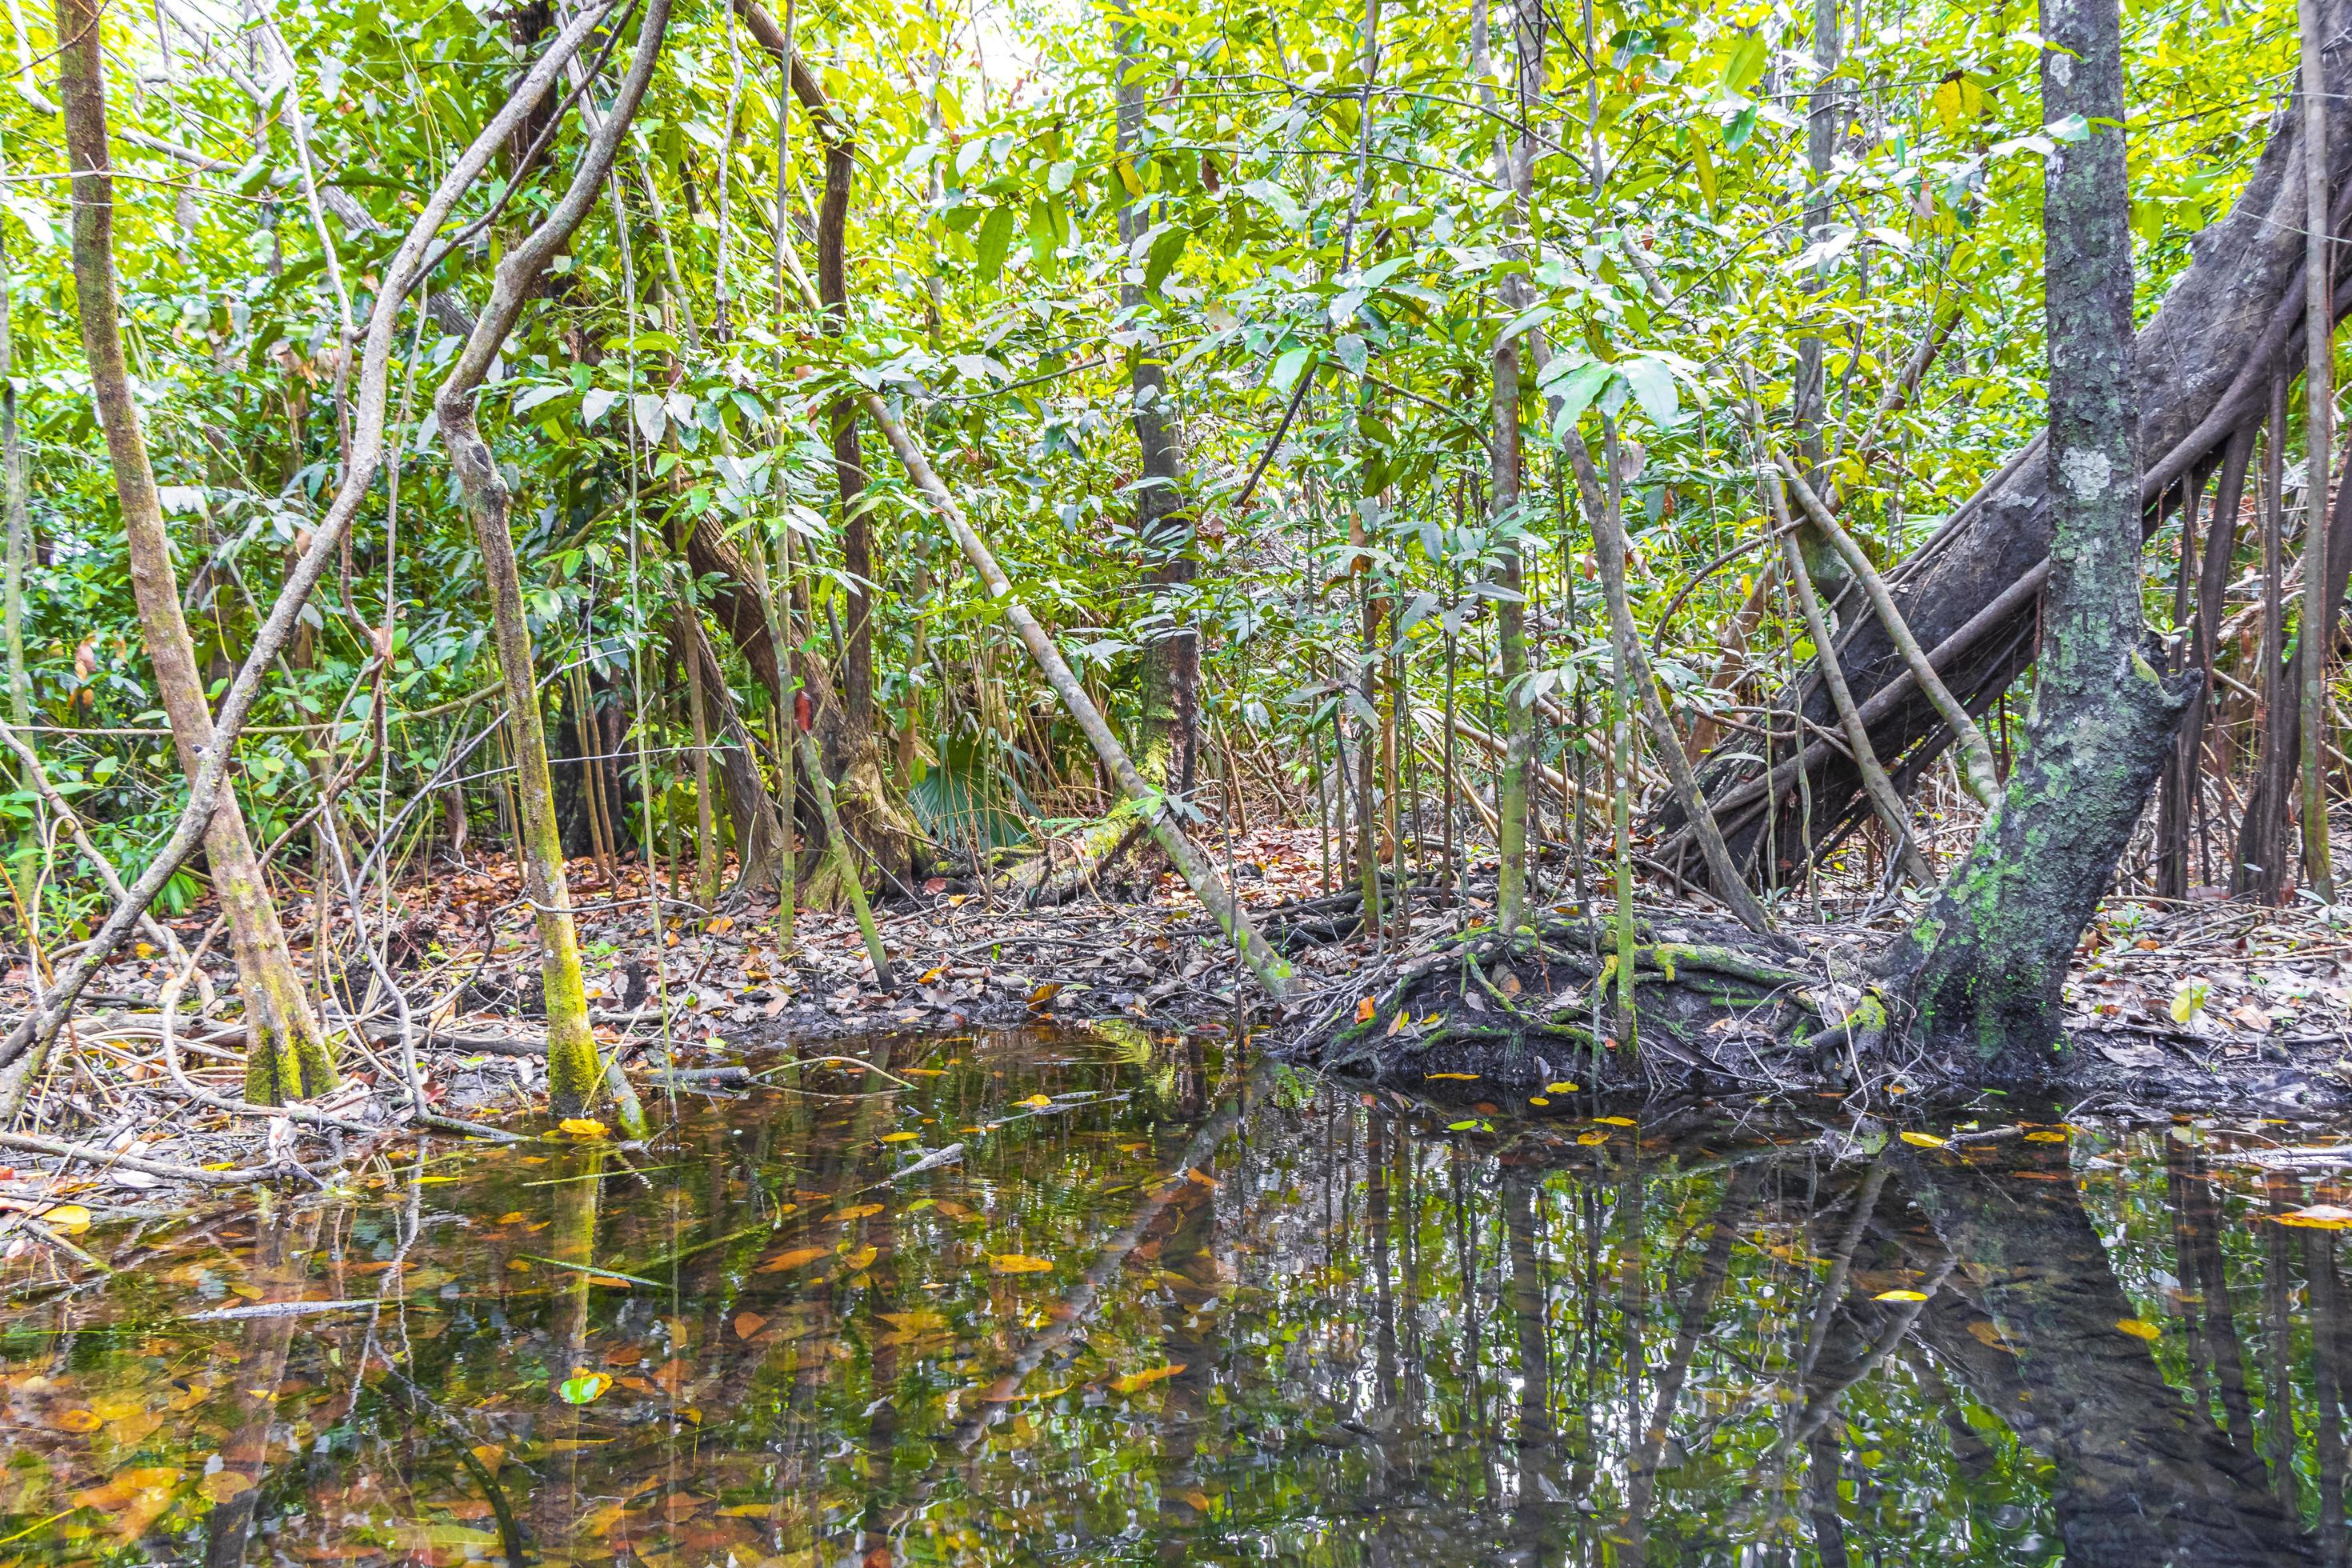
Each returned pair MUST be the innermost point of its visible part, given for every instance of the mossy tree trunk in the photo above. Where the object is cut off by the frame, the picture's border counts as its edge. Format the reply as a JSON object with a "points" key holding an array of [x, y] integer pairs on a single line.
{"points": [[1982, 970], [573, 1071], [285, 1057]]}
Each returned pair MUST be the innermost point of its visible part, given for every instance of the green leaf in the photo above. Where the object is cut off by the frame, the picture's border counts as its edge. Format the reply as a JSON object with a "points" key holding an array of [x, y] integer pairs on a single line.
{"points": [[1746, 63], [995, 236], [1654, 388], [1286, 368], [651, 415], [1576, 392], [1165, 252]]}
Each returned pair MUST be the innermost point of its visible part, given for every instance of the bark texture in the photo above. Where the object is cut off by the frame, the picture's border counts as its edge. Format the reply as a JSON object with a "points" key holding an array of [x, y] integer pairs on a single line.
{"points": [[285, 1057], [1982, 970]]}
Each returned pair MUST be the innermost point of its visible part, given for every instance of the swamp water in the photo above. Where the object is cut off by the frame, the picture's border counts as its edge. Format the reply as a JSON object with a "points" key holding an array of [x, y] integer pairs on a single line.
{"points": [[1145, 1317]]}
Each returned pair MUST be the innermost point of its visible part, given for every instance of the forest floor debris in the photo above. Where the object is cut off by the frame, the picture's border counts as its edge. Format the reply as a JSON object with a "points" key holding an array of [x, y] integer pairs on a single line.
{"points": [[2195, 991]]}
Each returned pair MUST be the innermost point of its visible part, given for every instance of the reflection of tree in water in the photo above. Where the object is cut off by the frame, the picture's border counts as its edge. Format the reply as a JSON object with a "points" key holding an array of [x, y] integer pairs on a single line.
{"points": [[1563, 1343]]}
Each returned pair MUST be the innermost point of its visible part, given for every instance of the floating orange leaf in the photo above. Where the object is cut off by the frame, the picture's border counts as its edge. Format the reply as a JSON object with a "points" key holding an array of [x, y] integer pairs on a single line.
{"points": [[749, 1323], [1136, 1381], [858, 1211]]}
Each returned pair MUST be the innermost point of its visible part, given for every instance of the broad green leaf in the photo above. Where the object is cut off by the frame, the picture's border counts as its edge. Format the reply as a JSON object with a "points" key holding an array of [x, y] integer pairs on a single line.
{"points": [[995, 237]]}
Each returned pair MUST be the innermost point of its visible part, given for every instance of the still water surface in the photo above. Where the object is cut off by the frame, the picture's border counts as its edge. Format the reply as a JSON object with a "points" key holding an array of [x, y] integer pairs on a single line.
{"points": [[1166, 1309]]}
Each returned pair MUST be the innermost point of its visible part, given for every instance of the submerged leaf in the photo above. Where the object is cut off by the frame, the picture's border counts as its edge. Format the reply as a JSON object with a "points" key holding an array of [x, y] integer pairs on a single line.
{"points": [[1017, 1263]]}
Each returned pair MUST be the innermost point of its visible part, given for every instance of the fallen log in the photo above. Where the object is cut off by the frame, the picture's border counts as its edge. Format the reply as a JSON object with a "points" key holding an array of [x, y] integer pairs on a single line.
{"points": [[2202, 369]]}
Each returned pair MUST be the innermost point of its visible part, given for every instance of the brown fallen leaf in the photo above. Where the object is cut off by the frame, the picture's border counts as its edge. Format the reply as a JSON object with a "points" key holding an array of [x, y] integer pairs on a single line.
{"points": [[796, 1258], [749, 1323]]}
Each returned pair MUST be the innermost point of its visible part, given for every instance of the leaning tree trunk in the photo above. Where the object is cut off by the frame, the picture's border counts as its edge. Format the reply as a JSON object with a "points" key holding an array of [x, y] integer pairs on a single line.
{"points": [[285, 1057], [573, 1073], [2200, 371], [1982, 973]]}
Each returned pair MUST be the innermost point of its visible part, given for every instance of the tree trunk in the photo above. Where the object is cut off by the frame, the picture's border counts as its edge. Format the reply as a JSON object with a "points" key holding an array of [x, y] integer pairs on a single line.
{"points": [[2317, 640], [759, 835], [1510, 619], [285, 1057], [1984, 968], [572, 1072], [2200, 370], [1163, 522]]}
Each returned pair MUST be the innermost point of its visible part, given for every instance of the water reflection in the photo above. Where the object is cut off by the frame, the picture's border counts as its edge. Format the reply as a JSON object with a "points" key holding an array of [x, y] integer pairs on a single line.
{"points": [[1163, 1311]]}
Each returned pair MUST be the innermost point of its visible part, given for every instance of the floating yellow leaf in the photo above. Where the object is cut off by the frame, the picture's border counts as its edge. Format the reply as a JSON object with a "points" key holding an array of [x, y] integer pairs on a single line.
{"points": [[1017, 1263], [1593, 1137], [2139, 1329], [510, 1217], [1200, 1501], [67, 1219], [1924, 1140], [796, 1258], [491, 1455], [900, 1137], [862, 1258], [2045, 1138], [1037, 1101], [1458, 1077], [581, 1127], [1900, 1296], [1616, 1121], [1561, 1088], [1538, 1099], [1134, 1380], [77, 1421], [2318, 1216], [858, 1211], [223, 1485]]}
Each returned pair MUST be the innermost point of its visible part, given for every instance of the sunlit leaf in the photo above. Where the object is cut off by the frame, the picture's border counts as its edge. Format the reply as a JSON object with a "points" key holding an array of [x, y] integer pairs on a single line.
{"points": [[581, 1127], [1017, 1263], [1459, 1076], [1924, 1140], [2318, 1216], [1900, 1296], [2139, 1329]]}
